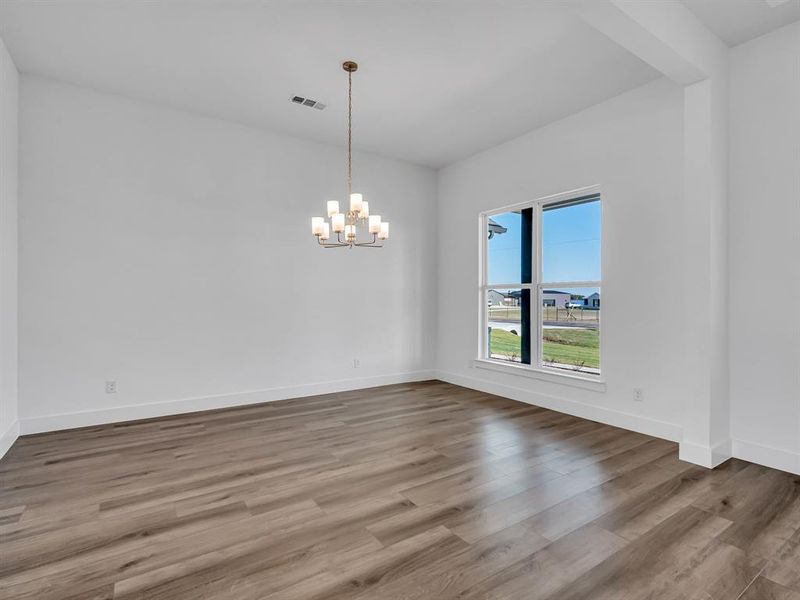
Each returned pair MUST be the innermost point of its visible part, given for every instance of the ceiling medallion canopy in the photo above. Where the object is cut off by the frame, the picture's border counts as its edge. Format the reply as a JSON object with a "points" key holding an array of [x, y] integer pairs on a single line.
{"points": [[346, 225]]}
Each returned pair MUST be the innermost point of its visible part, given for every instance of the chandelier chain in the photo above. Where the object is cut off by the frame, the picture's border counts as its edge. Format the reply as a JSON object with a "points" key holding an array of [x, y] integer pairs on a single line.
{"points": [[349, 132]]}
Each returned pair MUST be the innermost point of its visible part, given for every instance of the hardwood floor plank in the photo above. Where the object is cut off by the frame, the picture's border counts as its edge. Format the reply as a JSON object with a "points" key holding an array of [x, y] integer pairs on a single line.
{"points": [[649, 564], [784, 565], [764, 589], [453, 574], [721, 571], [545, 572], [763, 505], [380, 568], [641, 513]]}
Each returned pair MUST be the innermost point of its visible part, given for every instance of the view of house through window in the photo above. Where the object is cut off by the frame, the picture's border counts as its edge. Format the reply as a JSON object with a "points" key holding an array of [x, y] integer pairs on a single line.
{"points": [[505, 323], [548, 252]]}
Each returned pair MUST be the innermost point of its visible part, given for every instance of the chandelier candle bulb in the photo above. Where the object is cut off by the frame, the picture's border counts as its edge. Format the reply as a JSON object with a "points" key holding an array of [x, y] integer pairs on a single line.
{"points": [[333, 207], [356, 201], [384, 233], [374, 223], [364, 210], [337, 221], [316, 225], [326, 232], [350, 232]]}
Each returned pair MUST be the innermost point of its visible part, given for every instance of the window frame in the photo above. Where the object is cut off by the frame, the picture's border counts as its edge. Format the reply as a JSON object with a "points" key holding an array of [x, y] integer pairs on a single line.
{"points": [[536, 366]]}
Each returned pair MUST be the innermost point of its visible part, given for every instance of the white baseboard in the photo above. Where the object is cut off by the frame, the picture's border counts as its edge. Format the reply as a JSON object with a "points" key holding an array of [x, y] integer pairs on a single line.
{"points": [[654, 427], [776, 458], [43, 423], [8, 438], [705, 456]]}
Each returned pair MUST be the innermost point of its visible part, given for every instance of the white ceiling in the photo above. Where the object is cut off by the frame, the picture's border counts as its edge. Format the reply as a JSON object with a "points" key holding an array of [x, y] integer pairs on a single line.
{"points": [[438, 80], [736, 21]]}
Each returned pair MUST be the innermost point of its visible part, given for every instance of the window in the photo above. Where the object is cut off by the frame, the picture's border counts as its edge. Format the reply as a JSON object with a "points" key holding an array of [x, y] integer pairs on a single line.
{"points": [[541, 284]]}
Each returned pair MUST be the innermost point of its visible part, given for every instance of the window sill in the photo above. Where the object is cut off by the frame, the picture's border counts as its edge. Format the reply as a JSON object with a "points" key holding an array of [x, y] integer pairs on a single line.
{"points": [[586, 383]]}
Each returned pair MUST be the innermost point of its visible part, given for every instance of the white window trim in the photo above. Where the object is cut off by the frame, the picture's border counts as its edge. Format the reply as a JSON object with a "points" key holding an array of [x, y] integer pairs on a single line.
{"points": [[549, 375], [536, 369]]}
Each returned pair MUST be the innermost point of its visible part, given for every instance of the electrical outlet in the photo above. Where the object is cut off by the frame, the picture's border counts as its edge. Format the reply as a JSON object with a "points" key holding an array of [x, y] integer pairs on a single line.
{"points": [[638, 395], [356, 363], [111, 387]]}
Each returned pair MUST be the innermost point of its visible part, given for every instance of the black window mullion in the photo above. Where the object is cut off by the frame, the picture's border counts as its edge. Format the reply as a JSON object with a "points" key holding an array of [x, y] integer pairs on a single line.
{"points": [[526, 248]]}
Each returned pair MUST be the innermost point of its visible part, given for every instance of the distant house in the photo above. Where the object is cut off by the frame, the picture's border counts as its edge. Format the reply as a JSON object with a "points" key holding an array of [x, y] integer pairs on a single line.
{"points": [[514, 298], [591, 301], [549, 298], [555, 298], [496, 298]]}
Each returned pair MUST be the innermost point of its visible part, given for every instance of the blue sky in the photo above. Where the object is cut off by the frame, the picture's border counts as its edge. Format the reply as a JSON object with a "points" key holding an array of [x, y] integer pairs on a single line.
{"points": [[571, 249]]}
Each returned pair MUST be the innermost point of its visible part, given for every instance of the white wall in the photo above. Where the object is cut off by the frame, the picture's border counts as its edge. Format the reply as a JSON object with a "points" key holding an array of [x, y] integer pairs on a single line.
{"points": [[172, 253], [764, 247], [9, 96], [632, 146]]}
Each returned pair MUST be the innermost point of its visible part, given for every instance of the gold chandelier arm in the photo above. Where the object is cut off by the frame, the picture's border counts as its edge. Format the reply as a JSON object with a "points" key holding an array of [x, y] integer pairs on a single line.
{"points": [[340, 244], [373, 244], [333, 245]]}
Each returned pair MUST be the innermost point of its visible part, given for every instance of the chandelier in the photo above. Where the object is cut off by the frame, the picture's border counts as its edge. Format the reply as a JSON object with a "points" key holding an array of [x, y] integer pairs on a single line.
{"points": [[346, 225]]}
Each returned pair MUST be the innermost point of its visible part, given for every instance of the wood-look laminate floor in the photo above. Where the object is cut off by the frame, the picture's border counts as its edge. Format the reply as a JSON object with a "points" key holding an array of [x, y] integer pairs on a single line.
{"points": [[417, 491]]}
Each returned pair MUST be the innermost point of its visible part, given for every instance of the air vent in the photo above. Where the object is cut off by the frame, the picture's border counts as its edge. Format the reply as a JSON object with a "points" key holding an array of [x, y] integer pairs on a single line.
{"points": [[308, 102]]}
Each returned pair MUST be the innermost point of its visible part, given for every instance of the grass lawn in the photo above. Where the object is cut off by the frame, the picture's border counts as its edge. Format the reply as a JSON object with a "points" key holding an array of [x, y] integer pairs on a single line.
{"points": [[563, 346], [506, 343], [572, 347]]}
